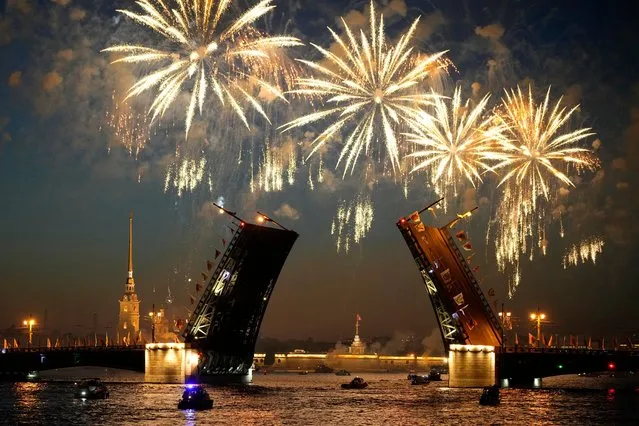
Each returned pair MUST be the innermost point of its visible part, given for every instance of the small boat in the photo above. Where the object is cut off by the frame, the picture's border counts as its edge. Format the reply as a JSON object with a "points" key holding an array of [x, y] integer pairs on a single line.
{"points": [[302, 373], [195, 397], [91, 389], [490, 396], [342, 373], [356, 383], [411, 376], [434, 376], [419, 380], [323, 368], [33, 376]]}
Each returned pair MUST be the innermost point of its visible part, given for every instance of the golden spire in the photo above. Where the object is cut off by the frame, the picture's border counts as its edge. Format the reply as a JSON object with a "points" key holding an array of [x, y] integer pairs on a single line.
{"points": [[130, 283]]}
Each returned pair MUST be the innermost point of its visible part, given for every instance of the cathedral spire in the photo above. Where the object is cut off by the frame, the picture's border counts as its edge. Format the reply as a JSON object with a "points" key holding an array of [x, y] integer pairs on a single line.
{"points": [[130, 283]]}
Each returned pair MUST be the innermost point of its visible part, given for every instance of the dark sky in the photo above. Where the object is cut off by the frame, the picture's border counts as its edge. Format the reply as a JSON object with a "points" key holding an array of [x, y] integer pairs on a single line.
{"points": [[65, 197]]}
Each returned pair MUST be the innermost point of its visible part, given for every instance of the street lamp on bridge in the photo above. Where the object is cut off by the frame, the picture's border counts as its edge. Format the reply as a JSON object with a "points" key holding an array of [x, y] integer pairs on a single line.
{"points": [[29, 323], [538, 317]]}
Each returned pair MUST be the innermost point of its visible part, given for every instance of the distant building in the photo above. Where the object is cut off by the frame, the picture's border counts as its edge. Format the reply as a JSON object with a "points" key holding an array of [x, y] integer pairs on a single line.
{"points": [[357, 347], [129, 317]]}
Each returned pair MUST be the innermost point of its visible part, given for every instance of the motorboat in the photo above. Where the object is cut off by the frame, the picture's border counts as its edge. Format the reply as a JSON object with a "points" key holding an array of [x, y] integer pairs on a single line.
{"points": [[33, 376], [342, 373], [195, 397], [356, 383], [489, 396], [411, 376], [434, 376], [419, 380], [91, 389]]}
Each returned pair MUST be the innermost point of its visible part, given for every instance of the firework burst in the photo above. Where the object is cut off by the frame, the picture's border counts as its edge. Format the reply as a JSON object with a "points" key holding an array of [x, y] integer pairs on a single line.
{"points": [[454, 142], [371, 91], [537, 154], [586, 251], [234, 62]]}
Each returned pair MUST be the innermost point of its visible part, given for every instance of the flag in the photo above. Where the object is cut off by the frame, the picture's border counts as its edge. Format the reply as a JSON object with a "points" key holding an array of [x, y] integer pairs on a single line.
{"points": [[572, 342], [432, 210], [516, 339], [614, 343], [589, 346], [550, 341], [491, 292], [106, 339], [468, 246], [603, 343], [217, 254], [204, 276], [209, 265], [531, 339], [358, 318], [57, 343], [192, 299], [48, 343], [445, 275], [543, 341], [95, 339], [476, 268], [4, 344], [564, 341], [198, 287], [15, 343], [223, 242], [461, 235], [459, 299], [469, 257], [415, 217]]}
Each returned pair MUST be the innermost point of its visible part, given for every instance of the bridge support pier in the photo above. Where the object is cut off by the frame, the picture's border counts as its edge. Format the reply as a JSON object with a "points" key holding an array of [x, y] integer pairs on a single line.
{"points": [[471, 366], [169, 363]]}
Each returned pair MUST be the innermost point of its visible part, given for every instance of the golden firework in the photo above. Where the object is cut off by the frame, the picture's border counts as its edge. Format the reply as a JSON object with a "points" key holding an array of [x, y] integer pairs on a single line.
{"points": [[454, 142], [233, 61], [372, 90]]}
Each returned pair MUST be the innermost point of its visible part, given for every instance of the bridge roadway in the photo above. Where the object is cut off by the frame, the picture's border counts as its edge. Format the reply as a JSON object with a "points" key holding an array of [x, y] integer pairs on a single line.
{"points": [[521, 365], [22, 360]]}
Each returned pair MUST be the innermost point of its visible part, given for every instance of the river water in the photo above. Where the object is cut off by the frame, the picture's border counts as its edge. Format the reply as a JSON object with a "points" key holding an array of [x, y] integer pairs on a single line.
{"points": [[316, 399]]}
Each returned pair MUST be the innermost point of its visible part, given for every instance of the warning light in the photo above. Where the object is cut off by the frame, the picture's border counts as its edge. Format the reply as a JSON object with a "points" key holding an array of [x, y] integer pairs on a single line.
{"points": [[402, 220], [241, 224], [611, 366], [560, 366], [260, 219]]}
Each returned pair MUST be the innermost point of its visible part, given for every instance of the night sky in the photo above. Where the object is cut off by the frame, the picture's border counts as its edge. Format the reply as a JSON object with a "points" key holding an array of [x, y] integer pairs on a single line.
{"points": [[65, 196]]}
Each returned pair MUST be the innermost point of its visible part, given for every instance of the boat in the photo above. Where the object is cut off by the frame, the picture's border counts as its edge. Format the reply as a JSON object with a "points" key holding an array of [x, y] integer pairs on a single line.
{"points": [[490, 396], [195, 397], [91, 389], [323, 368], [302, 373], [434, 376], [411, 376], [419, 380], [33, 376], [342, 373], [356, 383]]}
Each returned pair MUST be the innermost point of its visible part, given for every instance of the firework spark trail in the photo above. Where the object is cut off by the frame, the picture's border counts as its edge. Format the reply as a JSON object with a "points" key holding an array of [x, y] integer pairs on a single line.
{"points": [[371, 92], [186, 174], [232, 62], [536, 156], [130, 128], [352, 222], [454, 143], [587, 250]]}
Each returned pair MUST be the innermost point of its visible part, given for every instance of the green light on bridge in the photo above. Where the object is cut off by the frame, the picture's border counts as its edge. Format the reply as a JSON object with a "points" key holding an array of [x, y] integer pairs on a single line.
{"points": [[560, 366]]}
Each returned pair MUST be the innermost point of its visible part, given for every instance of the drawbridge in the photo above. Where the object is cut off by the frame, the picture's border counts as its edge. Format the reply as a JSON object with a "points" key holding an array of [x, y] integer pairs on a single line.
{"points": [[463, 313], [225, 323]]}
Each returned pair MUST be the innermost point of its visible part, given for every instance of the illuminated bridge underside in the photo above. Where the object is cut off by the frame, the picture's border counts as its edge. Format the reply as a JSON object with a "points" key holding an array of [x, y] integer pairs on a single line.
{"points": [[225, 324], [463, 313]]}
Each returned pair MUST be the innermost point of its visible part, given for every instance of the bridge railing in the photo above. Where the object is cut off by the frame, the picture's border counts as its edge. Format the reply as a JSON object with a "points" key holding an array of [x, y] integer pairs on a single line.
{"points": [[75, 348], [568, 350]]}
